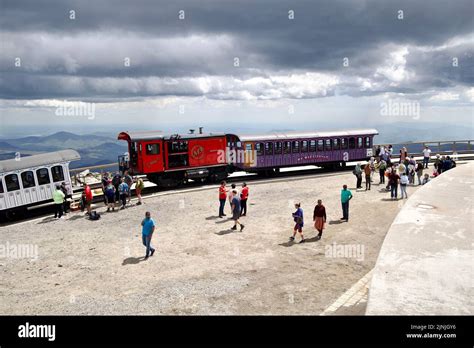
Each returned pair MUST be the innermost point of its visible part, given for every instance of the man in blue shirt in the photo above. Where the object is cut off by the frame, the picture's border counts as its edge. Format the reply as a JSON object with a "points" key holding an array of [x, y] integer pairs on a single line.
{"points": [[346, 196], [148, 227]]}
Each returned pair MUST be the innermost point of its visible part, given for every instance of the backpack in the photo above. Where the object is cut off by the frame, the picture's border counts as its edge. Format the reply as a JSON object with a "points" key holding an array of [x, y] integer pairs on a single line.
{"points": [[94, 215]]}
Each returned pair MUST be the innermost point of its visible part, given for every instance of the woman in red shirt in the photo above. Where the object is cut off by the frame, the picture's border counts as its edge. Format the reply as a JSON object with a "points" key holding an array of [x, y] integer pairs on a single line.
{"points": [[244, 195], [222, 198]]}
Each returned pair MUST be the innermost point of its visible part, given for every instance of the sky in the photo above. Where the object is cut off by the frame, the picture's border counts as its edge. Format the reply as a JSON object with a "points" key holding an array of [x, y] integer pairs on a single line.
{"points": [[266, 64]]}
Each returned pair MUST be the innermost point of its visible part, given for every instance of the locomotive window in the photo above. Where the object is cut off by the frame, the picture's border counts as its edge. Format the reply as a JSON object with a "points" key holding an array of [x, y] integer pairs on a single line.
{"points": [[336, 144], [152, 149], [43, 176], [327, 145], [12, 182], [278, 147], [177, 146], [1, 185], [304, 146], [359, 143], [296, 146], [28, 179], [57, 173], [344, 143], [320, 144], [286, 147], [269, 149], [312, 145], [259, 148], [367, 142], [352, 143]]}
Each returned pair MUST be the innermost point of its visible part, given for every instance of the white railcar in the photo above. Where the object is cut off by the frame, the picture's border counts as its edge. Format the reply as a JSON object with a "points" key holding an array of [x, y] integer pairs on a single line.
{"points": [[31, 180]]}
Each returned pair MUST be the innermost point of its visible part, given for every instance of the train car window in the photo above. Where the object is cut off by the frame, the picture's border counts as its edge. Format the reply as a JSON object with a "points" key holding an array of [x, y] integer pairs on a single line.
{"points": [[296, 146], [259, 148], [12, 182], [248, 147], [1, 185], [367, 143], [352, 143], [287, 147], [269, 149], [320, 145], [359, 143], [57, 173], [312, 145], [43, 176], [28, 179], [177, 146], [344, 143], [278, 148], [152, 149], [304, 146], [327, 145], [336, 144]]}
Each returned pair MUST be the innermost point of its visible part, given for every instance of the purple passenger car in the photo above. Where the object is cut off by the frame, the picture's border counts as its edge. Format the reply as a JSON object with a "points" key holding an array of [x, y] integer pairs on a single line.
{"points": [[269, 152]]}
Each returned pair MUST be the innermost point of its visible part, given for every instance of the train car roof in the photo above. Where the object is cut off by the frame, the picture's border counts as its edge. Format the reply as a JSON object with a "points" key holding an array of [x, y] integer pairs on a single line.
{"points": [[303, 135], [38, 160], [152, 135]]}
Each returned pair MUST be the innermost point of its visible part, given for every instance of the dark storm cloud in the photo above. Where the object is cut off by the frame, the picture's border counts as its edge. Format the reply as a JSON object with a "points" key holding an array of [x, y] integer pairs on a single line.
{"points": [[84, 57]]}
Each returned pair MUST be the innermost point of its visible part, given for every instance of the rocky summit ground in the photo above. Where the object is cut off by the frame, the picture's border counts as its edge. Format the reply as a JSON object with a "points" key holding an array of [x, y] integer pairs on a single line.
{"points": [[200, 266]]}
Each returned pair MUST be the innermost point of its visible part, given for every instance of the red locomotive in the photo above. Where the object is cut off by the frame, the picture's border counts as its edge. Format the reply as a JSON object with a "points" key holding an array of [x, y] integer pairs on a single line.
{"points": [[169, 160]]}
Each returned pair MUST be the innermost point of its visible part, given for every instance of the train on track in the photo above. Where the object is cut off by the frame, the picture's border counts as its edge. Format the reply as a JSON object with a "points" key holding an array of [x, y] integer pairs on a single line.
{"points": [[170, 160]]}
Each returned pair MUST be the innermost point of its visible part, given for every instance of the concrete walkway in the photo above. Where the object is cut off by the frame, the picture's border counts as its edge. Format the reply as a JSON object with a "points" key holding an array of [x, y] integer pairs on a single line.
{"points": [[426, 263]]}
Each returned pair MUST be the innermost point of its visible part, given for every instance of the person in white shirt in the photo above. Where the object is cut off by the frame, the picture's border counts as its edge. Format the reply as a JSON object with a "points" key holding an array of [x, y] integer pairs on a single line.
{"points": [[426, 156]]}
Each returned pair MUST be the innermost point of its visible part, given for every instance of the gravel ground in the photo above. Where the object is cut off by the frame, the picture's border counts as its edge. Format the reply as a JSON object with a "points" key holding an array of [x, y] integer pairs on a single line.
{"points": [[200, 265]]}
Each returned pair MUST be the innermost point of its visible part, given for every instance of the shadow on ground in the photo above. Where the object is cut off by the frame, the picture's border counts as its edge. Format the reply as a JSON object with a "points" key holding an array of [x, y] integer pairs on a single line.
{"points": [[133, 260]]}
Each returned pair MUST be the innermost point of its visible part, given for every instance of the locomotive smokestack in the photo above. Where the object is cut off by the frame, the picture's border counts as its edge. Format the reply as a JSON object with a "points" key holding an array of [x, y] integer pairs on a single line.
{"points": [[200, 130], [191, 131]]}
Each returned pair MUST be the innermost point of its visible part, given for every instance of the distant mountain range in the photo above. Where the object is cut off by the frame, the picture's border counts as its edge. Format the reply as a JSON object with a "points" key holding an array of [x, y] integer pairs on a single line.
{"points": [[94, 149], [103, 148]]}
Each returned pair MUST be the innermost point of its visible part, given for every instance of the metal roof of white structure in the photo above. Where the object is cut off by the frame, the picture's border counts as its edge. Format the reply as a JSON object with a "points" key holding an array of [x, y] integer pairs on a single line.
{"points": [[305, 135], [38, 160]]}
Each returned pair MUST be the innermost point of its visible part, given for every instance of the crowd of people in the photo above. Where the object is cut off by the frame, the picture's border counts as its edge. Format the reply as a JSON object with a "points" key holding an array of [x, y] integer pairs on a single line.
{"points": [[392, 174]]}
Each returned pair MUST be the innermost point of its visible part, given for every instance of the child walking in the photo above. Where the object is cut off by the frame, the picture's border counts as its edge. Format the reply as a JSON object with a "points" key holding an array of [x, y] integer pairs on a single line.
{"points": [[299, 222]]}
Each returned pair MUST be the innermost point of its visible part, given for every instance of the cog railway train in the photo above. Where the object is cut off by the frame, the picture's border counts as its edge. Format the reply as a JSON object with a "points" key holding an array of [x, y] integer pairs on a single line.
{"points": [[170, 160]]}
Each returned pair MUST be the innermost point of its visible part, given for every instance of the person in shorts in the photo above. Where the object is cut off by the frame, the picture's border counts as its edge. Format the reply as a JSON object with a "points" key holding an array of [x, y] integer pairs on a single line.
{"points": [[299, 222]]}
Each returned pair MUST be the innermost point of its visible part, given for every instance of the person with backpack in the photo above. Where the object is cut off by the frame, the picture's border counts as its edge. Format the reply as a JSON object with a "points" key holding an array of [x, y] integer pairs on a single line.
{"points": [[110, 195], [404, 180], [139, 186], [358, 173], [368, 172], [393, 180], [382, 166], [235, 205], [123, 191], [419, 171], [116, 181], [129, 182], [105, 181], [299, 223]]}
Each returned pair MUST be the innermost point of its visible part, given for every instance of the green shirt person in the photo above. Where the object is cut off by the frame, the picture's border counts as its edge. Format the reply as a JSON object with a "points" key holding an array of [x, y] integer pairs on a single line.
{"points": [[346, 196], [58, 198]]}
